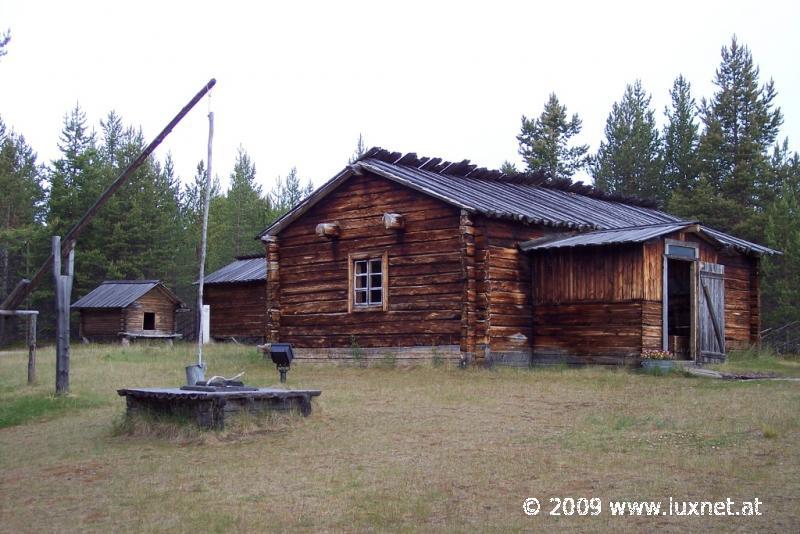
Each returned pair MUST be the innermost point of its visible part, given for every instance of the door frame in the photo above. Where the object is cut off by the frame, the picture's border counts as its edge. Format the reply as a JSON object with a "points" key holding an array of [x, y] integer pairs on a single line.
{"points": [[694, 277]]}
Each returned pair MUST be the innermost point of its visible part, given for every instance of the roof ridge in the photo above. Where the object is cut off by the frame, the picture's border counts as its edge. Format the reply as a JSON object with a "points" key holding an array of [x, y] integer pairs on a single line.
{"points": [[466, 169]]}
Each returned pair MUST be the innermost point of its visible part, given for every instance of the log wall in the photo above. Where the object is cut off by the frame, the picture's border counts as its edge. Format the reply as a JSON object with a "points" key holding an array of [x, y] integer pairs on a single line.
{"points": [[742, 301], [154, 301], [589, 304], [425, 273], [101, 324], [505, 294], [237, 310]]}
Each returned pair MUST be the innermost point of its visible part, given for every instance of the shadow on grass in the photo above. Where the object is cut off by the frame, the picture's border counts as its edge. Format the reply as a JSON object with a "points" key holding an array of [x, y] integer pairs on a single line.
{"points": [[29, 408]]}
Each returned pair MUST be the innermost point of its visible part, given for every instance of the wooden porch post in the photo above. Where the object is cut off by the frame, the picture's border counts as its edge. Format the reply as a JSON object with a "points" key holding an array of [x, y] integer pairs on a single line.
{"points": [[469, 317], [273, 288]]}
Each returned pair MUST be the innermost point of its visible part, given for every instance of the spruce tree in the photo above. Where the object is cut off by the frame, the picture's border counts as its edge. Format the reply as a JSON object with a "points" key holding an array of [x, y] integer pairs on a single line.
{"points": [[74, 180], [544, 142], [680, 139], [628, 161]]}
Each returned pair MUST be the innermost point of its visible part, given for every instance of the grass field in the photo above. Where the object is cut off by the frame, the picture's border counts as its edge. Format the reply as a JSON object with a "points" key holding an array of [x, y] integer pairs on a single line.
{"points": [[388, 449]]}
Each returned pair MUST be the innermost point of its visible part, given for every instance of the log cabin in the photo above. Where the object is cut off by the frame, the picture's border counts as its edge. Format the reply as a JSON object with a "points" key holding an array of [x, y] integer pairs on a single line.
{"points": [[406, 256], [128, 309], [236, 295]]}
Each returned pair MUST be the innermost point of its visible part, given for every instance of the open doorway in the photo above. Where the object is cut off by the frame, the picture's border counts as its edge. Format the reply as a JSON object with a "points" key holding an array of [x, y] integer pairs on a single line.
{"points": [[679, 307], [680, 298], [149, 321]]}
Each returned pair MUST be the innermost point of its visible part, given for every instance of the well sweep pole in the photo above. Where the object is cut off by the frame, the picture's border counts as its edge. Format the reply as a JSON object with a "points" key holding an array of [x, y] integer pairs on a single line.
{"points": [[201, 278], [25, 287]]}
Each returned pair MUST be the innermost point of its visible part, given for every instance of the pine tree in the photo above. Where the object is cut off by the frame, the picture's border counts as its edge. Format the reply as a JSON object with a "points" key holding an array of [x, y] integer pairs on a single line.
{"points": [[21, 210], [781, 281], [508, 168], [781, 290], [289, 193], [740, 127], [544, 142], [361, 149], [628, 160], [249, 209], [218, 233], [680, 139]]}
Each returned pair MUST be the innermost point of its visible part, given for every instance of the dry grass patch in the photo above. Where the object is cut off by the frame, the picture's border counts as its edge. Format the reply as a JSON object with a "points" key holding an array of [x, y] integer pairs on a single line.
{"points": [[418, 448]]}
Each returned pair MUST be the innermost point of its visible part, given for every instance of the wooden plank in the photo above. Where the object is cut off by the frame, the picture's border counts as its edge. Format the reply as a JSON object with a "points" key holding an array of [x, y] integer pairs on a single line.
{"points": [[711, 327], [712, 312]]}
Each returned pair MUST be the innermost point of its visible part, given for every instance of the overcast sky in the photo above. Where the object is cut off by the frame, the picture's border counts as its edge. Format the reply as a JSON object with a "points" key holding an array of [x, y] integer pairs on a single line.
{"points": [[298, 81]]}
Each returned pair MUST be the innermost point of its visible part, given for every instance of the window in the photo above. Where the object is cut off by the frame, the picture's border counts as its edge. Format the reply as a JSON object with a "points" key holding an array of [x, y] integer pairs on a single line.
{"points": [[368, 282], [149, 322], [682, 250]]}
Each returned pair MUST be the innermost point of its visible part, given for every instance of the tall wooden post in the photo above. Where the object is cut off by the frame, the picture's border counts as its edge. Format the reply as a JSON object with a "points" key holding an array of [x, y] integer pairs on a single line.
{"points": [[32, 348], [63, 294]]}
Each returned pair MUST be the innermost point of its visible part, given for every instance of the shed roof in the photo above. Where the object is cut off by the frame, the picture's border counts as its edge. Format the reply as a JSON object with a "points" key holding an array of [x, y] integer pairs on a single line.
{"points": [[243, 269], [121, 294], [639, 234], [531, 199], [636, 234]]}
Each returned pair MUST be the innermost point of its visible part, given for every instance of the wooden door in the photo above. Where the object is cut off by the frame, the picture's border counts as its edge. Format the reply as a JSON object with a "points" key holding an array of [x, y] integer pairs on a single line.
{"points": [[711, 312]]}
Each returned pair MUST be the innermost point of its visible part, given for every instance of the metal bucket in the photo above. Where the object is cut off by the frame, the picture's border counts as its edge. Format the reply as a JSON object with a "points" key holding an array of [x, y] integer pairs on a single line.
{"points": [[195, 373]]}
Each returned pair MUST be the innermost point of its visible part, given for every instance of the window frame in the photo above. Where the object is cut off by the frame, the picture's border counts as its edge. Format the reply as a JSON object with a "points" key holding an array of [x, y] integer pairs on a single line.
{"points": [[352, 258], [683, 244]]}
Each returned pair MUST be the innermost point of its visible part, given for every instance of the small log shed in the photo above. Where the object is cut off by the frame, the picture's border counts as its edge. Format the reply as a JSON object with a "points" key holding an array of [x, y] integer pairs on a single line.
{"points": [[236, 295], [128, 309], [407, 256]]}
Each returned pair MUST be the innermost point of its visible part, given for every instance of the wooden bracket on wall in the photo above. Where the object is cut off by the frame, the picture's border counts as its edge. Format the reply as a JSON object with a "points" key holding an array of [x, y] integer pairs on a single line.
{"points": [[328, 230], [394, 221]]}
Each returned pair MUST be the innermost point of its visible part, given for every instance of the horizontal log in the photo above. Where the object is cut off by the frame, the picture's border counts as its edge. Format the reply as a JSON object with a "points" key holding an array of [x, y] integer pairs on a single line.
{"points": [[399, 328], [350, 319], [366, 341]]}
